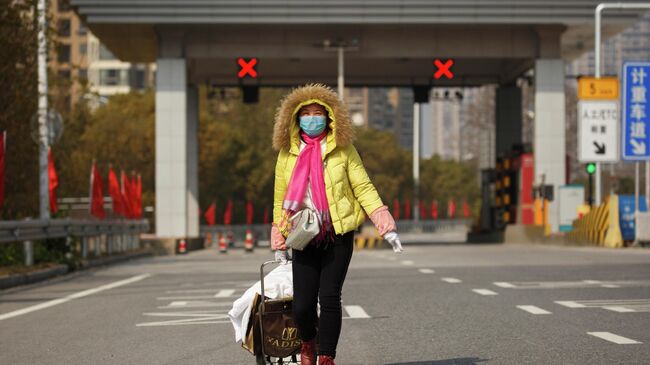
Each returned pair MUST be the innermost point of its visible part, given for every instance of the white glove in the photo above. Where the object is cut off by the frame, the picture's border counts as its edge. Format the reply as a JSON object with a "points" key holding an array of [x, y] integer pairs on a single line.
{"points": [[281, 255], [394, 241]]}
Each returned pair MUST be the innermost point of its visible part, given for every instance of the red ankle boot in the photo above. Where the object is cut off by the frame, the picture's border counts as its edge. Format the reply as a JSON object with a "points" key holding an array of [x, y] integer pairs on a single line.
{"points": [[325, 360], [308, 352]]}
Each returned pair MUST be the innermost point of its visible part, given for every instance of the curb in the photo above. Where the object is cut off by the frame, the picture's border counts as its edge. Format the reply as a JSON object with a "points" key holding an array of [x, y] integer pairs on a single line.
{"points": [[32, 277], [87, 264], [42, 275]]}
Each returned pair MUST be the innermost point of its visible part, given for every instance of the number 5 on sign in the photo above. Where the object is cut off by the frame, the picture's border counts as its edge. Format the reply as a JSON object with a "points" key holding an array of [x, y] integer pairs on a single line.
{"points": [[604, 88]]}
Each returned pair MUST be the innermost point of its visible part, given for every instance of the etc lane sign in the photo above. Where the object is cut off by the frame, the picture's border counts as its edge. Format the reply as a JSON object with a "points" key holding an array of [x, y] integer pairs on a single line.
{"points": [[598, 120], [598, 131], [636, 80]]}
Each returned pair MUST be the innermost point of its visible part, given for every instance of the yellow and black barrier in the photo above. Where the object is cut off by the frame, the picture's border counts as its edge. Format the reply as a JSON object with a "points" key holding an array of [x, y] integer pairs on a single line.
{"points": [[600, 226]]}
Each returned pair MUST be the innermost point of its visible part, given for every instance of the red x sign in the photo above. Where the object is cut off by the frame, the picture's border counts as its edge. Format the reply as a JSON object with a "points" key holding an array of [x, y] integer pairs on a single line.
{"points": [[247, 67], [444, 69]]}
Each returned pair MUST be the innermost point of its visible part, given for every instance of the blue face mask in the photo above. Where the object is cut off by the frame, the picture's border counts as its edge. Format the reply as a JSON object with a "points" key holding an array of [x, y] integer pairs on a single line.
{"points": [[313, 125]]}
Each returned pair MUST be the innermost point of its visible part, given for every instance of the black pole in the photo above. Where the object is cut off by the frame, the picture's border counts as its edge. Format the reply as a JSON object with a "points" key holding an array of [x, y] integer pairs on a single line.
{"points": [[591, 190]]}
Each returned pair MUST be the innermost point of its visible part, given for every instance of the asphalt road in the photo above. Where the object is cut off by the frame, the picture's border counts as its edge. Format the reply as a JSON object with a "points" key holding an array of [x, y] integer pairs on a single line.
{"points": [[438, 304]]}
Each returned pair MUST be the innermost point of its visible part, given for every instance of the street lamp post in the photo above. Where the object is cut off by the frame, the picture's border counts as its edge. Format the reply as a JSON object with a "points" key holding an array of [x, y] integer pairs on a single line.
{"points": [[340, 46], [340, 79], [416, 162], [42, 111]]}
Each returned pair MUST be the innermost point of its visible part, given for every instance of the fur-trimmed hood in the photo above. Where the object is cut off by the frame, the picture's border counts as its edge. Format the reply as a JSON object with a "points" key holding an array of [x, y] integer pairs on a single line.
{"points": [[286, 129]]}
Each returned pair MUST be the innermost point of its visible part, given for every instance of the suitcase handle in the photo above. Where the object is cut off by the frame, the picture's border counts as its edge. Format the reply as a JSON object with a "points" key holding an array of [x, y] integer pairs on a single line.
{"points": [[262, 302], [262, 277]]}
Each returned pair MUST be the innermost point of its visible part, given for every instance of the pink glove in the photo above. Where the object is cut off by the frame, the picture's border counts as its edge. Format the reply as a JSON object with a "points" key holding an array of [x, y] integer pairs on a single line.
{"points": [[277, 239], [383, 220]]}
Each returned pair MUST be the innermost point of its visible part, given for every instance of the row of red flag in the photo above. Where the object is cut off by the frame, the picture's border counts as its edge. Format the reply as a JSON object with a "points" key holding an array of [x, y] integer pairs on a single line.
{"points": [[127, 196], [432, 213], [210, 214]]}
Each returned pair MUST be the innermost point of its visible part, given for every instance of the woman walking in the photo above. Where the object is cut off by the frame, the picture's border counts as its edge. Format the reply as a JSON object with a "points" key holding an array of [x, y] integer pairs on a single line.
{"points": [[319, 168]]}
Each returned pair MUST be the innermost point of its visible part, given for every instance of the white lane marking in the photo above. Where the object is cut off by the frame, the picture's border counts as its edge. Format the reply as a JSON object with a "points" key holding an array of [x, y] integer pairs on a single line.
{"points": [[225, 293], [452, 280], [615, 305], [355, 311], [576, 284], [195, 304], [392, 258], [570, 304], [503, 284], [619, 309], [187, 314], [426, 271], [70, 297], [484, 292], [198, 291], [619, 340], [533, 309], [407, 262], [198, 319]]}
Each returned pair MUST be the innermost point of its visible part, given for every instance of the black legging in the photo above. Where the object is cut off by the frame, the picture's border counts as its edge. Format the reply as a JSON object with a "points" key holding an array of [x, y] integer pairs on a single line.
{"points": [[318, 274]]}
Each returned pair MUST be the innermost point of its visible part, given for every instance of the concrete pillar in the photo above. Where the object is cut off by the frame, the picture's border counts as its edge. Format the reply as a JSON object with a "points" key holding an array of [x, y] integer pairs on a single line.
{"points": [[508, 118], [192, 162], [176, 151], [549, 140]]}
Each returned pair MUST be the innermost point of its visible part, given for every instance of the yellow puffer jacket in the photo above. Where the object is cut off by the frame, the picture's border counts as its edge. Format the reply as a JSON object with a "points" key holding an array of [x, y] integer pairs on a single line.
{"points": [[347, 184]]}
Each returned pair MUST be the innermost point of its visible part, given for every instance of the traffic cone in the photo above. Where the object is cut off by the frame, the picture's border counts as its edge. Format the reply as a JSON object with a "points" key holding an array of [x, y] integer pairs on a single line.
{"points": [[248, 244], [182, 246], [223, 248]]}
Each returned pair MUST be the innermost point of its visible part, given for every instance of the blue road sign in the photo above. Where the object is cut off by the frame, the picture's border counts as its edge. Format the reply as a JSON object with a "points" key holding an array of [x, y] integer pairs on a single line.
{"points": [[636, 82], [626, 207]]}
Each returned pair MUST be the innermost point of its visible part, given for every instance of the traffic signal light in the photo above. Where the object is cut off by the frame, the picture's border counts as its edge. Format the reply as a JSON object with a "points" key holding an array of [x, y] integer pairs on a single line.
{"points": [[590, 168], [250, 93]]}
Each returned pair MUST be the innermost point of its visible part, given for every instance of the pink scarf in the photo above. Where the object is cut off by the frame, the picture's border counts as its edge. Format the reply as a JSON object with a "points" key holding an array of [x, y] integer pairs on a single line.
{"points": [[309, 169]]}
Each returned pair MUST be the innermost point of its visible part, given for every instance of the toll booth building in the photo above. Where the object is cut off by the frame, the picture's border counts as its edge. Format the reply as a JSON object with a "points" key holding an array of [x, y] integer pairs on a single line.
{"points": [[387, 43]]}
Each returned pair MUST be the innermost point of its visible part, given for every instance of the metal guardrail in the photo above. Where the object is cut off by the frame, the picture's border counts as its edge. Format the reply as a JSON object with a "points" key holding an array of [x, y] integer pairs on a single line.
{"points": [[432, 225], [39, 229], [263, 231], [260, 231], [112, 235]]}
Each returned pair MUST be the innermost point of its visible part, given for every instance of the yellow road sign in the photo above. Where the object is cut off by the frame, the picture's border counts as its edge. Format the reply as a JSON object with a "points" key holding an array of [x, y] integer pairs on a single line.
{"points": [[604, 88]]}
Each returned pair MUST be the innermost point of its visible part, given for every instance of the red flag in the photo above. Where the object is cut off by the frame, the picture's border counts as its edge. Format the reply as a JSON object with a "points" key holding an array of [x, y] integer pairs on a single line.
{"points": [[434, 209], [211, 214], [451, 209], [53, 179], [407, 209], [266, 215], [133, 194], [3, 149], [396, 209], [423, 210], [115, 193], [126, 196], [96, 193], [227, 216], [138, 193], [249, 212], [466, 211]]}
